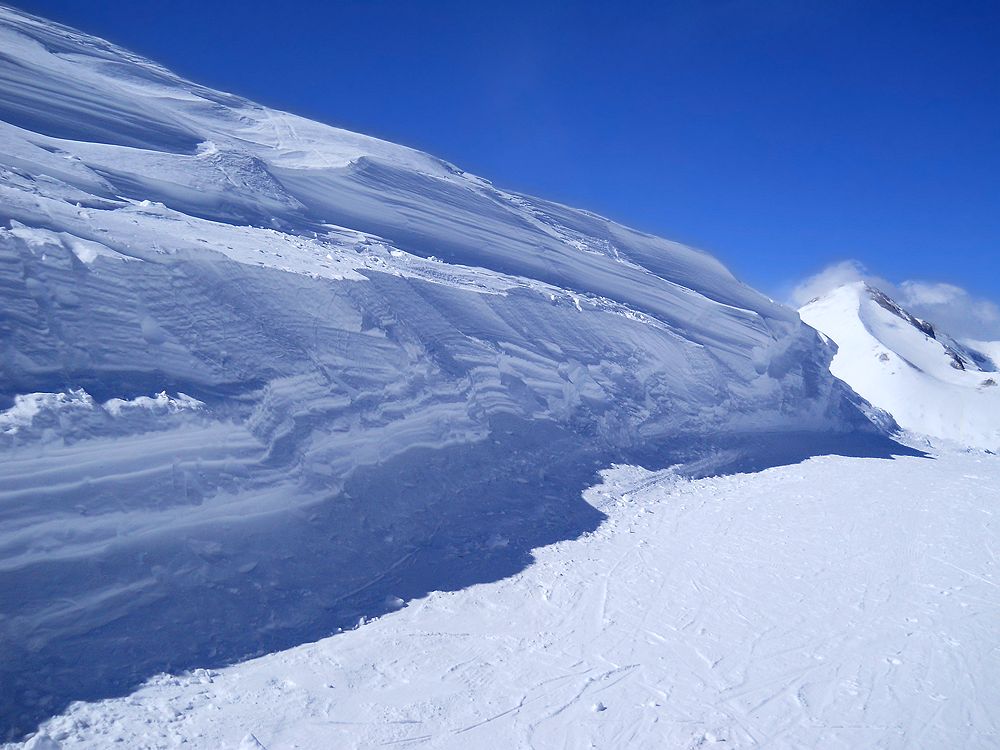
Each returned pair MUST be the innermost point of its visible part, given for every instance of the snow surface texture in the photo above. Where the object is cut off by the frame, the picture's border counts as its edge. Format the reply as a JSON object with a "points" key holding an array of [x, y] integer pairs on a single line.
{"points": [[930, 383], [378, 375], [839, 603]]}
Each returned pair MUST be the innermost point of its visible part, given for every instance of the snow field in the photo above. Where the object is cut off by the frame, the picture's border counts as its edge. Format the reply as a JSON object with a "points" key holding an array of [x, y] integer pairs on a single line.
{"points": [[837, 603]]}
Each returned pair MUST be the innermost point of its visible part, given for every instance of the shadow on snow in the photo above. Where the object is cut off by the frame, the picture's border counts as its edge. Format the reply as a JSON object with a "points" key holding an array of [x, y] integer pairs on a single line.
{"points": [[430, 519]]}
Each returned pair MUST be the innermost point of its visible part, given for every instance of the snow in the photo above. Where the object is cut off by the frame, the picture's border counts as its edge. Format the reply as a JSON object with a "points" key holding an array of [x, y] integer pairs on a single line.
{"points": [[930, 383], [161, 402], [262, 379], [991, 349], [837, 603], [28, 407]]}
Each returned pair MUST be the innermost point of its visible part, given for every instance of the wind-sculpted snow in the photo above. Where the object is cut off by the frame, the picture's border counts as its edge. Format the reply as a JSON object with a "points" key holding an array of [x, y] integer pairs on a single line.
{"points": [[259, 373]]}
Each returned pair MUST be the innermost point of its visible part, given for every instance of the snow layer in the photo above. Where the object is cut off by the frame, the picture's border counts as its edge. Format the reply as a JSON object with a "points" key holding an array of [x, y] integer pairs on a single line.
{"points": [[396, 366], [930, 383], [839, 603]]}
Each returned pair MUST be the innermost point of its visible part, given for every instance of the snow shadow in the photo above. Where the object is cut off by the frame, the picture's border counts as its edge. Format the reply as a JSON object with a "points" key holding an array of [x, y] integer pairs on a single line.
{"points": [[426, 520], [749, 453]]}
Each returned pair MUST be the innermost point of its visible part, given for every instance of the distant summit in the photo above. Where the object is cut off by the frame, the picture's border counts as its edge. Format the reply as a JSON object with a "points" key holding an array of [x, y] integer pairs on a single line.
{"points": [[930, 382]]}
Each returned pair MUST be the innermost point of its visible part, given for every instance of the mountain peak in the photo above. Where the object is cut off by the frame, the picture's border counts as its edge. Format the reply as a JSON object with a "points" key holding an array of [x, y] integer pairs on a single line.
{"points": [[930, 382]]}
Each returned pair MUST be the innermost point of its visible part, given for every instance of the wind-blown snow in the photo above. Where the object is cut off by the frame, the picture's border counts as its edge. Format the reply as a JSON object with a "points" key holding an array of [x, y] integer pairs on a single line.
{"points": [[930, 383], [373, 369], [839, 603]]}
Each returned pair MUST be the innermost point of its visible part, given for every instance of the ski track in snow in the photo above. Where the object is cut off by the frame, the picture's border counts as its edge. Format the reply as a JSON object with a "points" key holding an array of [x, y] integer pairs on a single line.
{"points": [[838, 603]]}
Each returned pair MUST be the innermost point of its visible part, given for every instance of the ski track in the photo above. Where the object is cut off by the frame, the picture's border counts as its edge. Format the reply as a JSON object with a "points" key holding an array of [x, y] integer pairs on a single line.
{"points": [[838, 603]]}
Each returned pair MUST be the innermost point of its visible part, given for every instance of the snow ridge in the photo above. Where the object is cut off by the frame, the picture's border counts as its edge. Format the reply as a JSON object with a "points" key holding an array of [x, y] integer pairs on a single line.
{"points": [[930, 383]]}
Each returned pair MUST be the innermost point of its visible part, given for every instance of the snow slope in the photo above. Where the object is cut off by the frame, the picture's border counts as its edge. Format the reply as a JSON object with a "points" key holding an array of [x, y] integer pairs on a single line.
{"points": [[988, 349], [839, 603], [929, 382], [379, 375]]}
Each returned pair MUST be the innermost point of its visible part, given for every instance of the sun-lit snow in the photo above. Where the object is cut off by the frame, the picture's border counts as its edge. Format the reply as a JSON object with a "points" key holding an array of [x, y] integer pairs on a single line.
{"points": [[840, 603], [930, 383], [262, 379]]}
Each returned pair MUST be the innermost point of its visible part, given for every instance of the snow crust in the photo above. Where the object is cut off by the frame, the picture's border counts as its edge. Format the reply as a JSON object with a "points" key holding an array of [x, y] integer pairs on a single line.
{"points": [[839, 603], [68, 407], [929, 382]]}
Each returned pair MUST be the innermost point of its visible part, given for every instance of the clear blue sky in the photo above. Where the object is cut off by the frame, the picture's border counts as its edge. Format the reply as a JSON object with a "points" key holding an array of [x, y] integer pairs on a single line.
{"points": [[778, 135]]}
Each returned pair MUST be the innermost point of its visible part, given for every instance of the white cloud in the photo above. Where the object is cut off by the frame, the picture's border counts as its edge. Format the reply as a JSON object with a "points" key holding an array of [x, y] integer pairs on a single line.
{"points": [[931, 293], [831, 277], [947, 306], [952, 308]]}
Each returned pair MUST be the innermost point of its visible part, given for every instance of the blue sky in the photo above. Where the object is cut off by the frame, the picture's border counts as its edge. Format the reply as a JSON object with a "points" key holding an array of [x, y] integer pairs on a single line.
{"points": [[781, 136]]}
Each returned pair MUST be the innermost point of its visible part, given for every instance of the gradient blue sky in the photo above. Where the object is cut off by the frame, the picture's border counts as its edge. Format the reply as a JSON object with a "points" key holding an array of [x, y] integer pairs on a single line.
{"points": [[781, 136]]}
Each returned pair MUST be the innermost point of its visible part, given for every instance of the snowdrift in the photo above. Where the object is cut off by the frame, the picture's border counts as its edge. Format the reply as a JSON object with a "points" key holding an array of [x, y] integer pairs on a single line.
{"points": [[261, 377]]}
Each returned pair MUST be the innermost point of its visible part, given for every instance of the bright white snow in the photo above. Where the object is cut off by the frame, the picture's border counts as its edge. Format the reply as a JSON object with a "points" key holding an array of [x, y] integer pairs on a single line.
{"points": [[839, 603], [930, 383]]}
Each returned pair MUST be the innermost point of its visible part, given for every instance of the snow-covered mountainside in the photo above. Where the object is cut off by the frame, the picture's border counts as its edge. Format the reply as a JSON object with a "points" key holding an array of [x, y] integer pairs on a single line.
{"points": [[929, 382], [261, 377]]}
